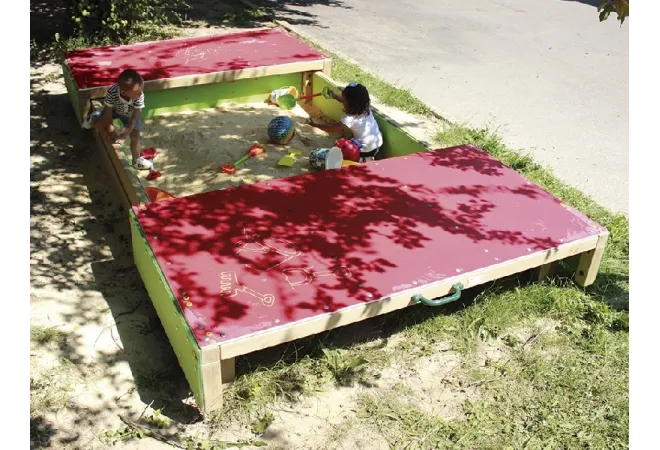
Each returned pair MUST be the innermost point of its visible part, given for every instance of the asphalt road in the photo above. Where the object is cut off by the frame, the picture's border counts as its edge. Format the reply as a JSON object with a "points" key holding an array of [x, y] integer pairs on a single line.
{"points": [[546, 72]]}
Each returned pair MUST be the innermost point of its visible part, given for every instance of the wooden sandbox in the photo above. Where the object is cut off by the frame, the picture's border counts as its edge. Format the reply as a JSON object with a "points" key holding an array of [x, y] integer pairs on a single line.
{"points": [[237, 264]]}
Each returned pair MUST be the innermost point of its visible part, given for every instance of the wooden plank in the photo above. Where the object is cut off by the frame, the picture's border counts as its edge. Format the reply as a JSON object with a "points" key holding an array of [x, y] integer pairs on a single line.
{"points": [[589, 264], [218, 77], [228, 368], [327, 67], [211, 371], [307, 86], [189, 56], [546, 271], [126, 175], [112, 173], [84, 106], [178, 333], [363, 311]]}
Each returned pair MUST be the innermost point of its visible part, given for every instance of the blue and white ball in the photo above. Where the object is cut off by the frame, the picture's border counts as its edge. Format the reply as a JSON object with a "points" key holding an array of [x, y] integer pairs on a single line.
{"points": [[281, 130]]}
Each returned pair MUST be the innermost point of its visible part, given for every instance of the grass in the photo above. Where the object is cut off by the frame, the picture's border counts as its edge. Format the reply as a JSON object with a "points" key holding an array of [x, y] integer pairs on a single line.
{"points": [[47, 335], [402, 423], [568, 388], [306, 367], [568, 391]]}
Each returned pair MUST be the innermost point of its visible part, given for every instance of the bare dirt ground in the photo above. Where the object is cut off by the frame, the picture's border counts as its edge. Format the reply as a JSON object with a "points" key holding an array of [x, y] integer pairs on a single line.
{"points": [[98, 352]]}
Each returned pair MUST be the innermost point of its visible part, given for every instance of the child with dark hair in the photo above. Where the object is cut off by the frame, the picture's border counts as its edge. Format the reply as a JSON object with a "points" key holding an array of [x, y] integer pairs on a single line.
{"points": [[357, 120], [124, 101]]}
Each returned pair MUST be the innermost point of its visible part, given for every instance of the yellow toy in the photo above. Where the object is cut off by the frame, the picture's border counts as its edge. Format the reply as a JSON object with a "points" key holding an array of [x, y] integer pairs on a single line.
{"points": [[290, 159]]}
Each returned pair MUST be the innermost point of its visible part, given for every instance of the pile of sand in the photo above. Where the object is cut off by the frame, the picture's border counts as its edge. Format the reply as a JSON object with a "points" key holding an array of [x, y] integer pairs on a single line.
{"points": [[192, 146]]}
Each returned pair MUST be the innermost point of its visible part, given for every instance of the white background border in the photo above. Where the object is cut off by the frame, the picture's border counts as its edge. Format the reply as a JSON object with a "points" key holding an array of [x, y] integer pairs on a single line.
{"points": [[644, 148]]}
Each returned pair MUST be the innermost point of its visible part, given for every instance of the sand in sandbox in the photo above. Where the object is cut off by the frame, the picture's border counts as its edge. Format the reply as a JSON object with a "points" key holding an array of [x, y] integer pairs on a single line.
{"points": [[192, 146]]}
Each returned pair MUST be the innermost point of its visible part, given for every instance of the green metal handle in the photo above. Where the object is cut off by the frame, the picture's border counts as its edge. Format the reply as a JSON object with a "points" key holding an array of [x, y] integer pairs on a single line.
{"points": [[458, 288], [326, 92]]}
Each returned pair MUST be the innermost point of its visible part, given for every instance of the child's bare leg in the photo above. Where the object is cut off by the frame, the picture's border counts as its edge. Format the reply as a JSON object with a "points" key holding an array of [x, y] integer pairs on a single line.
{"points": [[136, 146]]}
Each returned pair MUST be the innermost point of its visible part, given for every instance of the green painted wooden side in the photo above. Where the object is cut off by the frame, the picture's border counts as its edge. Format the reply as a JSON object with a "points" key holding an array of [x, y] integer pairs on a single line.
{"points": [[396, 142], [72, 90], [178, 332], [211, 95]]}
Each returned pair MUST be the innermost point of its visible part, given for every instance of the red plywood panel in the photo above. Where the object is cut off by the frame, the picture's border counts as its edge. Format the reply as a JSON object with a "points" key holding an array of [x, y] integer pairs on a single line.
{"points": [[259, 256], [97, 67]]}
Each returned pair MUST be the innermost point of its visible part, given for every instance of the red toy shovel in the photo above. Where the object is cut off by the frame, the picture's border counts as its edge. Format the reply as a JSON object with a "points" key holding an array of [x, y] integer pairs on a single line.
{"points": [[255, 150]]}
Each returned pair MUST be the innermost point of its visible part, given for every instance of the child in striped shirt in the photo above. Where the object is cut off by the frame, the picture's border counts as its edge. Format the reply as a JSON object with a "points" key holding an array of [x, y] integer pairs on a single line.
{"points": [[124, 101]]}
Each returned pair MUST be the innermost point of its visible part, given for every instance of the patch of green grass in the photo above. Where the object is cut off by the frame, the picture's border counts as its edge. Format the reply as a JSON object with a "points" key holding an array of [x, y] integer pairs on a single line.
{"points": [[118, 435], [505, 305], [396, 97], [345, 368], [569, 392], [347, 71], [47, 335], [569, 389], [252, 393], [262, 422], [242, 16], [405, 426], [304, 371], [51, 389]]}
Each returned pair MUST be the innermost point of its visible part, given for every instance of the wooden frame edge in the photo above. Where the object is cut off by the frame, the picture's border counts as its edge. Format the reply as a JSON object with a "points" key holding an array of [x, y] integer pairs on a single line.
{"points": [[215, 372], [218, 77], [590, 260], [133, 191], [132, 217], [346, 316]]}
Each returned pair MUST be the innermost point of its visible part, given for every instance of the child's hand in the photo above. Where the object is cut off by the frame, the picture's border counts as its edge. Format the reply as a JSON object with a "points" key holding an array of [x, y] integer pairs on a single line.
{"points": [[120, 138]]}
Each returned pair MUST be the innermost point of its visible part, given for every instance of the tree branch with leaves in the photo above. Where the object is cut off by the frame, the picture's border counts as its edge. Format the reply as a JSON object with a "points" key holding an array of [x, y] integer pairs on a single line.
{"points": [[620, 7]]}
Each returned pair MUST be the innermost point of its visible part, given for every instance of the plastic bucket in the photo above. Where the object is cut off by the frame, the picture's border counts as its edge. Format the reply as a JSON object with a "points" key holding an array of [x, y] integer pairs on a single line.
{"points": [[277, 93]]}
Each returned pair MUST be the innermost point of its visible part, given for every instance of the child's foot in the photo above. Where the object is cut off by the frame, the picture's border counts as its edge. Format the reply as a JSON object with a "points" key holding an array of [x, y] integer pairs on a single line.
{"points": [[89, 121], [143, 164]]}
